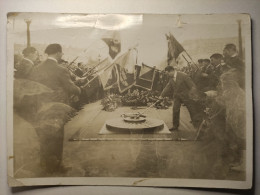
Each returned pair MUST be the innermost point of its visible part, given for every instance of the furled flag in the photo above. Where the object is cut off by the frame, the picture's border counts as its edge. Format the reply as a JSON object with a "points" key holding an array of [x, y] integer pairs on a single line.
{"points": [[114, 44], [126, 69], [146, 77]]}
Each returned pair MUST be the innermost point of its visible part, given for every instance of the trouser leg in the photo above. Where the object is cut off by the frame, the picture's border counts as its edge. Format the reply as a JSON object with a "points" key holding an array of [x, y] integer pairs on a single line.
{"points": [[196, 112], [176, 112], [51, 149]]}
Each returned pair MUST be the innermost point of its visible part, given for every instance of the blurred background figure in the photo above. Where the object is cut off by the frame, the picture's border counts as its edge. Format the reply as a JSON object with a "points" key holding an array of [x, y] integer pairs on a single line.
{"points": [[232, 60], [17, 60], [30, 56]]}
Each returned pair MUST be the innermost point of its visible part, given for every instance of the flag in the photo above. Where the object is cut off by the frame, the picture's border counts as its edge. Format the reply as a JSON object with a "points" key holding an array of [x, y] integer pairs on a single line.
{"points": [[177, 56], [108, 76], [146, 77], [126, 70], [97, 66], [120, 71], [174, 48], [114, 44]]}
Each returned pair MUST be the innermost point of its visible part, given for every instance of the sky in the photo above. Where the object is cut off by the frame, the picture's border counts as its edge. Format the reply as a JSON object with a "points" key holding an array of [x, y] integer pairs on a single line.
{"points": [[147, 31]]}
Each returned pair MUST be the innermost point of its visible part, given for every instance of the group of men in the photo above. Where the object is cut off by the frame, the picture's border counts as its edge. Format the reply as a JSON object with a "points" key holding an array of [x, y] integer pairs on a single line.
{"points": [[218, 82], [188, 88], [49, 72], [58, 79]]}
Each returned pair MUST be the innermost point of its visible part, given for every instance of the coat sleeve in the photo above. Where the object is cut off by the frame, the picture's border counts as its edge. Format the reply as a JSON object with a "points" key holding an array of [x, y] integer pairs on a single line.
{"points": [[168, 88], [189, 82], [67, 83], [24, 69]]}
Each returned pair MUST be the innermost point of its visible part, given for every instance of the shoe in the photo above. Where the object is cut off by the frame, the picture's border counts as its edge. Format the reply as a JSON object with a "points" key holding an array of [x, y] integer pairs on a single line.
{"points": [[238, 168], [174, 129]]}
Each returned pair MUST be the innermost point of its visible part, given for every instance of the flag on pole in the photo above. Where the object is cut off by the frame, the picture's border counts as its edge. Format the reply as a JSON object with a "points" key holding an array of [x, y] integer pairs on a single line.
{"points": [[177, 56], [174, 48], [146, 77], [126, 70], [114, 44], [108, 76]]}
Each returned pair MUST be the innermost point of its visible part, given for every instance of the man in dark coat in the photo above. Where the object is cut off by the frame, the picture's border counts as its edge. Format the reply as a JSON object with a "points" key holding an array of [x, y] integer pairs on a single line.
{"points": [[234, 62], [56, 77], [52, 113], [184, 92], [28, 62], [213, 71]]}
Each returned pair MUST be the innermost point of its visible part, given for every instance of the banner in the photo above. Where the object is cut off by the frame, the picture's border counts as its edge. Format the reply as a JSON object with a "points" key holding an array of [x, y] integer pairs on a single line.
{"points": [[174, 48], [108, 76], [126, 70], [177, 56], [146, 77], [114, 44]]}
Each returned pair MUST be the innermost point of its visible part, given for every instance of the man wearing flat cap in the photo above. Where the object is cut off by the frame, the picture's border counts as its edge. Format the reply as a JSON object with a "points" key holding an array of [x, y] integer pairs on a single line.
{"points": [[56, 77]]}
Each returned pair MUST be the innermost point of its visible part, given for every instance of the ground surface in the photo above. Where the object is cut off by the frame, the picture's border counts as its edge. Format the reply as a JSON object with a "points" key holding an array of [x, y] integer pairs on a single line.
{"points": [[204, 159]]}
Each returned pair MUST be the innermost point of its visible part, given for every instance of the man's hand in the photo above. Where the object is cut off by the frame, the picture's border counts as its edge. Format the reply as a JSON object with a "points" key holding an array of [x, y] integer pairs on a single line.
{"points": [[211, 93], [204, 75]]}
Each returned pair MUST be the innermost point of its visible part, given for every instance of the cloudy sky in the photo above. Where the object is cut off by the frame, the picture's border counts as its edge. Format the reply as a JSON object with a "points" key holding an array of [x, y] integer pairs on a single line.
{"points": [[147, 31]]}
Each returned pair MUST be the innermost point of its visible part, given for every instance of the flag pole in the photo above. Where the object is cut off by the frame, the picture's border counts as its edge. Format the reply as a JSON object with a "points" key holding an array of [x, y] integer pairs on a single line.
{"points": [[76, 58], [88, 73], [191, 59], [188, 61], [105, 68]]}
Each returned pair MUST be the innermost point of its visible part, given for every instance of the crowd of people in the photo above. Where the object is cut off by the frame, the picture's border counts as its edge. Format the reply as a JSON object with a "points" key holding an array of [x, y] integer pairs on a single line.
{"points": [[55, 86], [214, 79], [214, 93]]}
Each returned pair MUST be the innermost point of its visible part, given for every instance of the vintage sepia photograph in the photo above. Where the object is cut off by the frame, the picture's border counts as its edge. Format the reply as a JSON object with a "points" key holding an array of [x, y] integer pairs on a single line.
{"points": [[129, 99]]}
